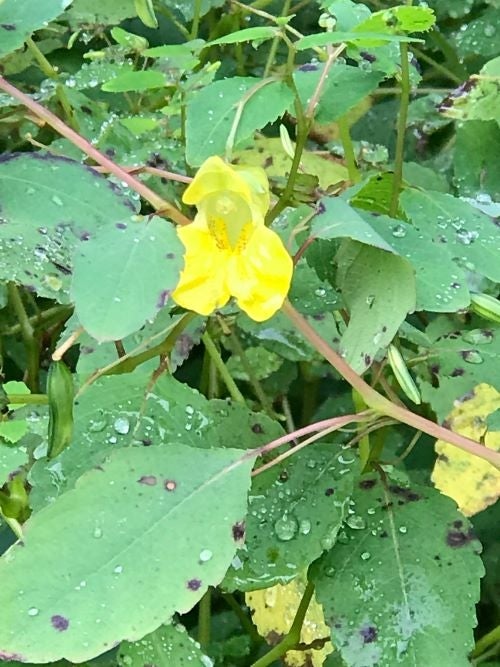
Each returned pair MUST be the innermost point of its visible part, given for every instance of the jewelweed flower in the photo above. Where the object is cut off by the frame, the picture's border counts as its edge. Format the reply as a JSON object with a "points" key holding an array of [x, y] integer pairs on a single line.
{"points": [[229, 252]]}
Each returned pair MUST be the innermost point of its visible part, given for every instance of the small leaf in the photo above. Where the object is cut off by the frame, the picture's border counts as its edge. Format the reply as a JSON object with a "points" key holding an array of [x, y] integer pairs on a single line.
{"points": [[472, 482], [168, 645], [11, 458], [135, 81], [118, 525], [398, 19], [360, 39], [257, 34], [145, 11], [138, 265]]}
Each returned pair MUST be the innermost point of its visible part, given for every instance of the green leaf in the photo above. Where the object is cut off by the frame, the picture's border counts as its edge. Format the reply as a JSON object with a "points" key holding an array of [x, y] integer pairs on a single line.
{"points": [[135, 81], [118, 411], [336, 219], [364, 39], [347, 13], [11, 458], [405, 571], [168, 645], [379, 290], [479, 36], [441, 285], [63, 202], [467, 234], [476, 168], [295, 512], [211, 113], [257, 34], [118, 524], [19, 18], [345, 87], [84, 12], [187, 7], [478, 98], [145, 11], [138, 264], [398, 19]]}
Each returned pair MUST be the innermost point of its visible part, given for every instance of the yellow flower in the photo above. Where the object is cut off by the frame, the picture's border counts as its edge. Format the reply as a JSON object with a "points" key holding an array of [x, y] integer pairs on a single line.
{"points": [[229, 250]]}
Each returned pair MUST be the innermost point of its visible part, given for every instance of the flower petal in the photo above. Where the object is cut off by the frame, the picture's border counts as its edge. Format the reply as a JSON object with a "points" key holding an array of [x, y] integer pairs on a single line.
{"points": [[215, 175], [257, 180], [259, 277], [202, 286]]}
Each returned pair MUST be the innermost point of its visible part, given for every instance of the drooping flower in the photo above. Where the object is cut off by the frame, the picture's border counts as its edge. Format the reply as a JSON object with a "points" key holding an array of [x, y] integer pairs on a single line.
{"points": [[229, 252]]}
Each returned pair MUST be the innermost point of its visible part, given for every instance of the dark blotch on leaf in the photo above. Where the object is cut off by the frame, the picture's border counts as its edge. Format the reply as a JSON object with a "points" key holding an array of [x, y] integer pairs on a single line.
{"points": [[170, 485], [170, 255], [458, 538], [369, 634], [369, 57], [121, 225], [308, 67], [147, 442], [238, 530], [384, 534], [59, 622], [367, 483], [12, 656], [257, 428], [320, 208], [193, 584], [163, 298], [8, 26], [367, 359], [148, 480], [268, 162], [457, 372], [406, 495], [84, 236], [329, 491]]}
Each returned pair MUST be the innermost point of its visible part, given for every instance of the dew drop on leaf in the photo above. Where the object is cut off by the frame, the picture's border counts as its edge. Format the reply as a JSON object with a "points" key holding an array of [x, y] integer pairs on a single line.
{"points": [[33, 611], [205, 555], [286, 528], [472, 357], [356, 522], [122, 425]]}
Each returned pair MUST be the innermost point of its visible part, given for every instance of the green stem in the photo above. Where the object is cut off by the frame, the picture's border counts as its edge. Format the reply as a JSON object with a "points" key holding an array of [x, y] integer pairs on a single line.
{"points": [[293, 636], [28, 399], [492, 637], [275, 43], [442, 69], [214, 354], [401, 131], [42, 61], [28, 336], [196, 19], [246, 623], [253, 379], [46, 317], [350, 157], [380, 403], [204, 619], [364, 442]]}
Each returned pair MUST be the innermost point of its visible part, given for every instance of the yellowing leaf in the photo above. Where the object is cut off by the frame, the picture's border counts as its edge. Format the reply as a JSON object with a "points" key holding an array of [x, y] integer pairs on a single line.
{"points": [[273, 612], [473, 483]]}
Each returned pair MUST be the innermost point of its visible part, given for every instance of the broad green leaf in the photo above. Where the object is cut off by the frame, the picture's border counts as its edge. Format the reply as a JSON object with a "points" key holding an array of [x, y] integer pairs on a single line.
{"points": [[345, 87], [168, 645], [473, 483], [403, 574], [212, 114], [19, 18], [145, 11], [476, 165], [247, 35], [119, 523], [90, 75], [135, 81], [262, 362], [295, 512], [63, 202], [273, 611], [347, 13], [118, 411], [11, 458], [360, 39], [138, 264], [469, 236], [336, 219], [479, 36], [453, 8], [398, 19], [379, 290], [441, 285], [459, 361], [187, 7], [85, 12]]}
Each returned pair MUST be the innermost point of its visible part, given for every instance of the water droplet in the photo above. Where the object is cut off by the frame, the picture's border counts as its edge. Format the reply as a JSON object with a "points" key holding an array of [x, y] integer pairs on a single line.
{"points": [[478, 337], [403, 529], [286, 528], [356, 522], [489, 30], [305, 527], [472, 357], [97, 533], [311, 463], [118, 569], [33, 611], [122, 425], [399, 231], [97, 425], [205, 555], [466, 237], [365, 555], [321, 291], [57, 200], [370, 300]]}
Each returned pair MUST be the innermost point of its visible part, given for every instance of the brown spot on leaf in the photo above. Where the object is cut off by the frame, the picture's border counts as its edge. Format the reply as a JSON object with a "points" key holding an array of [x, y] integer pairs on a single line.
{"points": [[60, 623], [148, 480], [193, 584], [367, 484], [459, 538], [238, 530]]}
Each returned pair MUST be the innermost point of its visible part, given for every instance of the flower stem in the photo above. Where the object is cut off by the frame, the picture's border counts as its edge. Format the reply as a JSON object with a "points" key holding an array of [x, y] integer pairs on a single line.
{"points": [[400, 141], [293, 636], [28, 336], [214, 354], [350, 157], [377, 402], [196, 19], [492, 637]]}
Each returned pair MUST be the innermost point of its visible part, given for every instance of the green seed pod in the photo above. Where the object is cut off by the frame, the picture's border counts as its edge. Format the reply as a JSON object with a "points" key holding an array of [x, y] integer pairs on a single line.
{"points": [[402, 374], [486, 306], [146, 12], [61, 394]]}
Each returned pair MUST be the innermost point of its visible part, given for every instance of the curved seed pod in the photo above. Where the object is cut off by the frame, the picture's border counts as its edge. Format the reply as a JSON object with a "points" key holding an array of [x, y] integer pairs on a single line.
{"points": [[60, 391], [486, 306], [146, 12], [402, 374]]}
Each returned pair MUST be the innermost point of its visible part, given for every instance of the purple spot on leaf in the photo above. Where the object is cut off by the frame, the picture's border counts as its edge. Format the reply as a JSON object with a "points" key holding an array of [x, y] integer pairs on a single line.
{"points": [[329, 491], [308, 67], [369, 634], [8, 26], [238, 531], [163, 298], [121, 225], [193, 584], [257, 428], [320, 208], [59, 622]]}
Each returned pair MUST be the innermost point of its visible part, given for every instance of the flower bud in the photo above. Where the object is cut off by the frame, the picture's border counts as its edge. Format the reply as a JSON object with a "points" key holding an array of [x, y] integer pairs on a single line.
{"points": [[402, 374], [486, 306]]}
